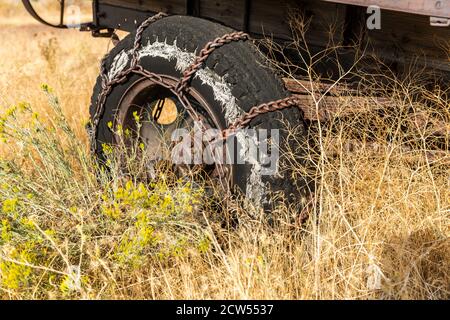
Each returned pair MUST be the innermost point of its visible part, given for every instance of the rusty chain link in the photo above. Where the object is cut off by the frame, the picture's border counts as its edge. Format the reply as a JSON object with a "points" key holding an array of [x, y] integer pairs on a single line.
{"points": [[254, 112], [180, 88], [139, 34], [108, 84], [209, 48]]}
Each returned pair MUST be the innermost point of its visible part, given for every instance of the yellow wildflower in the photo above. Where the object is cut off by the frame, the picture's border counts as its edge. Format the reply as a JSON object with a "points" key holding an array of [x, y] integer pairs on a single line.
{"points": [[10, 205]]}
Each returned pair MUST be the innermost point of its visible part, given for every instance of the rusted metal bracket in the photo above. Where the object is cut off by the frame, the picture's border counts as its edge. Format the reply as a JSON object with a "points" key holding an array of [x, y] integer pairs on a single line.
{"points": [[101, 33]]}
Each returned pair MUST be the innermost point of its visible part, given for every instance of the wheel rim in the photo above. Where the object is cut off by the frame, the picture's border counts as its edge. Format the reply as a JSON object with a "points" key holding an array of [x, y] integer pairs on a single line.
{"points": [[144, 98]]}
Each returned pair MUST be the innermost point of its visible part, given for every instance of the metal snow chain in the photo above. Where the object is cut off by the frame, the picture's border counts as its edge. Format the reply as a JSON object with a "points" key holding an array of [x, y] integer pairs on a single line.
{"points": [[264, 108], [209, 48], [183, 84], [108, 84]]}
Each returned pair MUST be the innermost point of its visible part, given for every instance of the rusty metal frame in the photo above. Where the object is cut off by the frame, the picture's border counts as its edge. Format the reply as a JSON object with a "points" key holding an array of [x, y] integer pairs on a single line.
{"points": [[29, 7], [90, 26]]}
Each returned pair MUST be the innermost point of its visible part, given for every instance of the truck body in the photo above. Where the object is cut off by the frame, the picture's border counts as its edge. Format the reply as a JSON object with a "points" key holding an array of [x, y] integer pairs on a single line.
{"points": [[409, 30]]}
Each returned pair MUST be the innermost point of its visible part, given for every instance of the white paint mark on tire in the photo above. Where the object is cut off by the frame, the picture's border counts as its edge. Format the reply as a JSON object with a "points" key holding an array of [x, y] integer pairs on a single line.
{"points": [[119, 63], [255, 189], [183, 60]]}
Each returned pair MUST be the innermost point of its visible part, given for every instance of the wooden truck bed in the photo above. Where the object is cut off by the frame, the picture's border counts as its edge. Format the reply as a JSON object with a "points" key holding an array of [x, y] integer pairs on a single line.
{"points": [[405, 26]]}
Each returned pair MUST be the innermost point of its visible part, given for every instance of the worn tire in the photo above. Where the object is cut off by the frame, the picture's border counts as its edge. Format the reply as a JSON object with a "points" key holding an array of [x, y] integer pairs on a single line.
{"points": [[233, 80]]}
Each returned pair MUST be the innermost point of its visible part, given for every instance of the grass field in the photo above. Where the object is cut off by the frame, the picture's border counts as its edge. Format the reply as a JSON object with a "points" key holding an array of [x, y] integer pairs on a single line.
{"points": [[379, 228]]}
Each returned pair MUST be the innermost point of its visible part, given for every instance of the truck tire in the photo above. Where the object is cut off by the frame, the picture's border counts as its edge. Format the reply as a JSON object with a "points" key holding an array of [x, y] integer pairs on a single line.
{"points": [[233, 80]]}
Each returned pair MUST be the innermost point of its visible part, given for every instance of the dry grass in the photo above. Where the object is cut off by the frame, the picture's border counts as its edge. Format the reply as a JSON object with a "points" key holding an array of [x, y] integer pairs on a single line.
{"points": [[379, 228], [33, 54]]}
